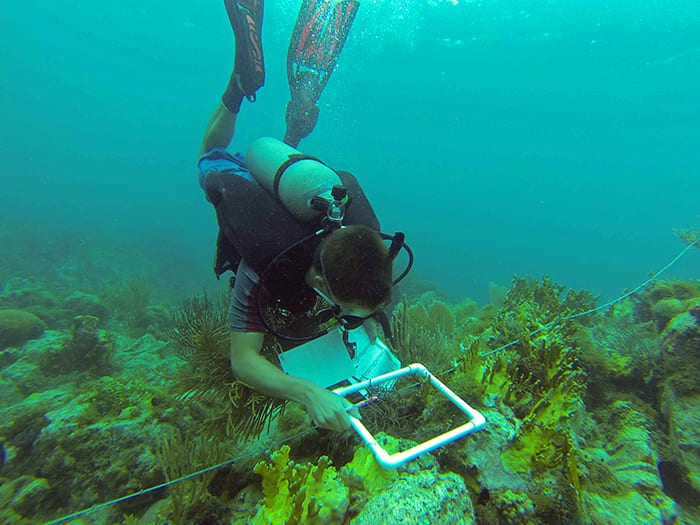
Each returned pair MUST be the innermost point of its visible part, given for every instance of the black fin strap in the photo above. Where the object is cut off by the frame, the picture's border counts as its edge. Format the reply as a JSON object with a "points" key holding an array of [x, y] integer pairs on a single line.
{"points": [[396, 244], [293, 158]]}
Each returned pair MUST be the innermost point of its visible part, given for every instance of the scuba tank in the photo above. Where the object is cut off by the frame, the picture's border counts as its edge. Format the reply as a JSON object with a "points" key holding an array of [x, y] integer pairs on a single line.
{"points": [[296, 180]]}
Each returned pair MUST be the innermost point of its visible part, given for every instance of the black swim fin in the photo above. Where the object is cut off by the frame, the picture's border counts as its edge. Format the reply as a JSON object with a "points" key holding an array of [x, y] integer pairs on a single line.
{"points": [[246, 17]]}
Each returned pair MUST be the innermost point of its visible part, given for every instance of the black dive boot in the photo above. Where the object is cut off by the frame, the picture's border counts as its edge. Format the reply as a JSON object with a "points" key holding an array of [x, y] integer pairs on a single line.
{"points": [[246, 17]]}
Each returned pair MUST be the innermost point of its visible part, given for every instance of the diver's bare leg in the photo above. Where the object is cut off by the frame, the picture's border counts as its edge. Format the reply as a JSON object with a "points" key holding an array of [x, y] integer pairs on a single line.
{"points": [[219, 130]]}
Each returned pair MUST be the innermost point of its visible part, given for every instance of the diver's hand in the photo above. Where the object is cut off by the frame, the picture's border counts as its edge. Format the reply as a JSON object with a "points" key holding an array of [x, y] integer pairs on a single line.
{"points": [[328, 410]]}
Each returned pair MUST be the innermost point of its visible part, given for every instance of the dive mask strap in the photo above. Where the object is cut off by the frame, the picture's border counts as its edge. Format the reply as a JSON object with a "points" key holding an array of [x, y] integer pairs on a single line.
{"points": [[383, 319]]}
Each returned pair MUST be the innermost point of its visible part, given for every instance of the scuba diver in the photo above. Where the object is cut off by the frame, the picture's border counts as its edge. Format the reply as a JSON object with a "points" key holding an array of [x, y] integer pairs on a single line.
{"points": [[301, 238]]}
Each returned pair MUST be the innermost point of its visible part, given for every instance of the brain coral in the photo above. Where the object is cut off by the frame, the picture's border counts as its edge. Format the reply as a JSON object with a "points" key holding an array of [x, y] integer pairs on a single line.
{"points": [[18, 326]]}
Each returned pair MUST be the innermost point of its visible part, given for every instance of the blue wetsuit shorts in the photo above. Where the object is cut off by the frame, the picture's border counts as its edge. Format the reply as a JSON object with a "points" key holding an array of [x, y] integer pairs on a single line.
{"points": [[221, 161]]}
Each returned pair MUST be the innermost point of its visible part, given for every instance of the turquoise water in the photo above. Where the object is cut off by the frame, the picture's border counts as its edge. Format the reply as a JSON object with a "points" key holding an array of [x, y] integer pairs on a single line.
{"points": [[504, 137]]}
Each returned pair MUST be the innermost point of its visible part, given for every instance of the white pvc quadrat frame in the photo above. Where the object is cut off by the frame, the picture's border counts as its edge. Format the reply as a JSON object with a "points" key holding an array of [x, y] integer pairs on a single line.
{"points": [[386, 460]]}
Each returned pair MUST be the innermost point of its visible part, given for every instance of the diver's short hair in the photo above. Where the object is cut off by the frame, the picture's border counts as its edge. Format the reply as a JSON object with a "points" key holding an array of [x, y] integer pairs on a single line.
{"points": [[356, 266]]}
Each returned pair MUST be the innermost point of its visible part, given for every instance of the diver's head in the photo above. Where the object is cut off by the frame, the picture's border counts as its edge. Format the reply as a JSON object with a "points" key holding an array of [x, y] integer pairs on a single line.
{"points": [[352, 269]]}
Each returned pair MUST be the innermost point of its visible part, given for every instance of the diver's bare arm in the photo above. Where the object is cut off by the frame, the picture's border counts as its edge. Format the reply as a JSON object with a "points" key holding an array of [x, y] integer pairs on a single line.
{"points": [[256, 371], [325, 408], [219, 130]]}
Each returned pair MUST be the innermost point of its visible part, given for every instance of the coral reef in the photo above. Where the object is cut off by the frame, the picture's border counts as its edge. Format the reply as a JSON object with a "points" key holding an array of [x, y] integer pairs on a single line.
{"points": [[75, 439], [680, 396], [88, 349], [23, 496], [81, 303], [300, 492], [423, 334], [129, 298], [180, 456], [415, 493], [541, 377], [315, 492], [425, 497], [202, 338], [621, 355], [680, 358], [58, 434], [18, 326], [589, 420], [26, 294], [620, 467], [536, 454], [664, 300], [131, 302], [689, 235]]}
